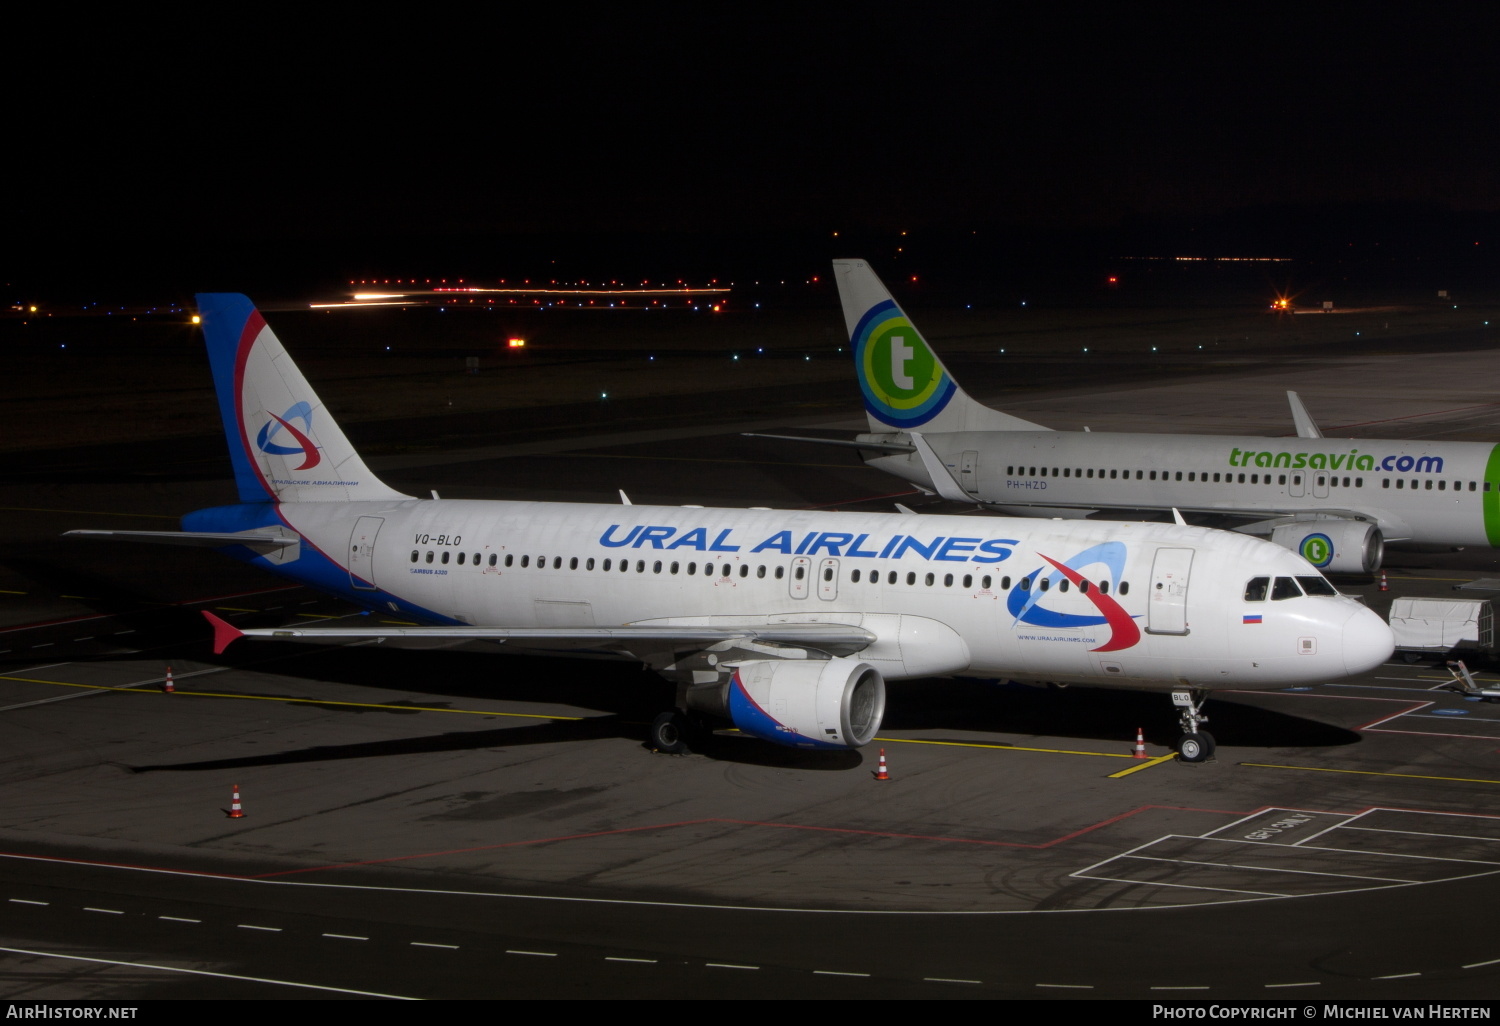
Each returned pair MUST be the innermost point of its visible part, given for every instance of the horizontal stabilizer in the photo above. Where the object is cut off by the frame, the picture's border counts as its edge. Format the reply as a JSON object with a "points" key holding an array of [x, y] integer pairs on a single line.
{"points": [[201, 539], [838, 639], [846, 443]]}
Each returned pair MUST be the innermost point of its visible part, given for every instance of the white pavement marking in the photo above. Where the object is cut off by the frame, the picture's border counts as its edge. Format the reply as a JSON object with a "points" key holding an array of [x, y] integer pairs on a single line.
{"points": [[111, 911], [831, 972], [1189, 887], [268, 929], [1179, 988], [345, 936], [1476, 965], [179, 919], [612, 958], [1068, 986], [944, 979], [1398, 976], [1277, 869], [429, 944], [727, 965], [24, 901], [1314, 983], [205, 972], [538, 954], [1429, 833]]}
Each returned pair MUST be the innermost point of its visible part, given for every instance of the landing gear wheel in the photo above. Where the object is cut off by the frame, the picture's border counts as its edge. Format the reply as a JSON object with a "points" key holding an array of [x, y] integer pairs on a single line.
{"points": [[669, 733], [1195, 747]]}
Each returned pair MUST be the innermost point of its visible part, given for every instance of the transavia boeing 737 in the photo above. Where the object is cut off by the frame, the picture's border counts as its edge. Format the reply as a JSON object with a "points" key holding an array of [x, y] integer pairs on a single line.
{"points": [[1337, 502], [785, 624]]}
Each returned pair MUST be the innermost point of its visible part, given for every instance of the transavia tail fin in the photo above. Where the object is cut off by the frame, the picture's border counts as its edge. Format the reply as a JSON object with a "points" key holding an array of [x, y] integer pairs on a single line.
{"points": [[285, 446], [905, 384]]}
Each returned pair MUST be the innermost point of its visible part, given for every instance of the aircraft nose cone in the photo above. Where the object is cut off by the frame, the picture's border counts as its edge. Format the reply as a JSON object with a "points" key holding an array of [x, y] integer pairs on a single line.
{"points": [[1368, 642]]}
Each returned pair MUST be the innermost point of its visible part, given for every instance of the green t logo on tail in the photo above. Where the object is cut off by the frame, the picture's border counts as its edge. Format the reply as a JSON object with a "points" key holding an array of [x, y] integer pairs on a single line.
{"points": [[903, 383]]}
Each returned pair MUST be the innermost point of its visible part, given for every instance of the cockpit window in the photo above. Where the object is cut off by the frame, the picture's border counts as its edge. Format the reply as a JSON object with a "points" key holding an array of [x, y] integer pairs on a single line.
{"points": [[1316, 586], [1256, 590], [1285, 588]]}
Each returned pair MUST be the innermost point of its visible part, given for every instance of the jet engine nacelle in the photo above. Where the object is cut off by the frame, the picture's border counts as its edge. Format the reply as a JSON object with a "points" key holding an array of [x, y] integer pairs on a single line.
{"points": [[1339, 546], [823, 703]]}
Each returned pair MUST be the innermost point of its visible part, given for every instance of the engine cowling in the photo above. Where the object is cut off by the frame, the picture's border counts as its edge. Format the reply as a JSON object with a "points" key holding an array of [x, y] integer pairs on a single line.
{"points": [[828, 703], [1340, 546]]}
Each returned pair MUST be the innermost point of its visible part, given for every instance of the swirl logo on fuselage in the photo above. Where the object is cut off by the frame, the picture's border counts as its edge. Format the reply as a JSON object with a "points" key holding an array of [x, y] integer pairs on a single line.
{"points": [[309, 452], [1026, 605], [903, 383]]}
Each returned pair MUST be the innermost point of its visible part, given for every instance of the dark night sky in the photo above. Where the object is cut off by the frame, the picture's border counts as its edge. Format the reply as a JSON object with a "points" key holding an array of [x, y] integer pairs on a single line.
{"points": [[175, 147]]}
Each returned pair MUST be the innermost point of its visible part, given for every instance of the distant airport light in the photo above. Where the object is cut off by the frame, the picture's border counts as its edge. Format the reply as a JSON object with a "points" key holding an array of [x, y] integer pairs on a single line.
{"points": [[378, 295], [196, 318], [516, 343]]}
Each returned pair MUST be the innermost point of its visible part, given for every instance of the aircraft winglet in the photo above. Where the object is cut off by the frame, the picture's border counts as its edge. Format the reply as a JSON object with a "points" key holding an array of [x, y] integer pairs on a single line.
{"points": [[1305, 426], [224, 633]]}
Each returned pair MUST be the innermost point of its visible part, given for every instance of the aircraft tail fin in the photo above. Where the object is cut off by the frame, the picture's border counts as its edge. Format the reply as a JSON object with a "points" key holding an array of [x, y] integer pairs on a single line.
{"points": [[905, 384], [284, 444]]}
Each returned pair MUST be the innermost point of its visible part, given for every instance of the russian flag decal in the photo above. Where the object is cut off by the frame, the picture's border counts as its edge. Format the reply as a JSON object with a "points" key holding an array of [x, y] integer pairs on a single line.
{"points": [[1251, 618]]}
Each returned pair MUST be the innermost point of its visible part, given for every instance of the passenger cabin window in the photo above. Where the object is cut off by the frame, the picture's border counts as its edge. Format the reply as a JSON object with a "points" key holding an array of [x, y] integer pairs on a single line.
{"points": [[1285, 588], [1256, 590]]}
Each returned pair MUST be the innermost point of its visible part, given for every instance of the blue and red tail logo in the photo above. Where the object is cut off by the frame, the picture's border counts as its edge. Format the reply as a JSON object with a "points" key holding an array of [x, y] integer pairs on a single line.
{"points": [[1026, 605], [299, 411]]}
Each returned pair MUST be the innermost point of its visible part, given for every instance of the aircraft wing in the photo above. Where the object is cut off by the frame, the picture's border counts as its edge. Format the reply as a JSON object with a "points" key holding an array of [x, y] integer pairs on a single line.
{"points": [[834, 639]]}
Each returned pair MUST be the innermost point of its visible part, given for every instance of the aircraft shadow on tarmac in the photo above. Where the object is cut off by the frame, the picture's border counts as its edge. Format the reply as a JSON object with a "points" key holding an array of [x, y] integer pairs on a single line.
{"points": [[628, 696], [1092, 715], [1080, 715]]}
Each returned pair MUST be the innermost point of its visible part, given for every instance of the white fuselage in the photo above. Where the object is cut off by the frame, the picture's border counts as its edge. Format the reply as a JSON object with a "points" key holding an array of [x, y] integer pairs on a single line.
{"points": [[1419, 493], [1165, 605]]}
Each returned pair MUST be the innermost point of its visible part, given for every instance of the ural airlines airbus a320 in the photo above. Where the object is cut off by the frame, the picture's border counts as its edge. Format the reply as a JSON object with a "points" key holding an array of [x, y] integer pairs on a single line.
{"points": [[785, 623], [1337, 502]]}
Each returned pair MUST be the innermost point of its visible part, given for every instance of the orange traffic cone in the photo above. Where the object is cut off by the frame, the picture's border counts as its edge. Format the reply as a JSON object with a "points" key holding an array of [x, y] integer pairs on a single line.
{"points": [[1140, 744], [167, 686], [1384, 584], [881, 773], [235, 812]]}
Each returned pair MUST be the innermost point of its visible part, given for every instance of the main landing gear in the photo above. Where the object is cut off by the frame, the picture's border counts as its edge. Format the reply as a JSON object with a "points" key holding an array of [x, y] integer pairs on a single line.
{"points": [[675, 732], [1194, 745]]}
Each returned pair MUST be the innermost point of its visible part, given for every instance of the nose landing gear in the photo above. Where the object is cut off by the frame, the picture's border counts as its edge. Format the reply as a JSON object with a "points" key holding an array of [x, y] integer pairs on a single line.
{"points": [[1194, 745]]}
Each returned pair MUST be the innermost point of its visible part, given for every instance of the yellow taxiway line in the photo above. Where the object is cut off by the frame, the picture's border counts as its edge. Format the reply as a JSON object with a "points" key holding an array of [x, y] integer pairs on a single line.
{"points": [[1145, 765]]}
